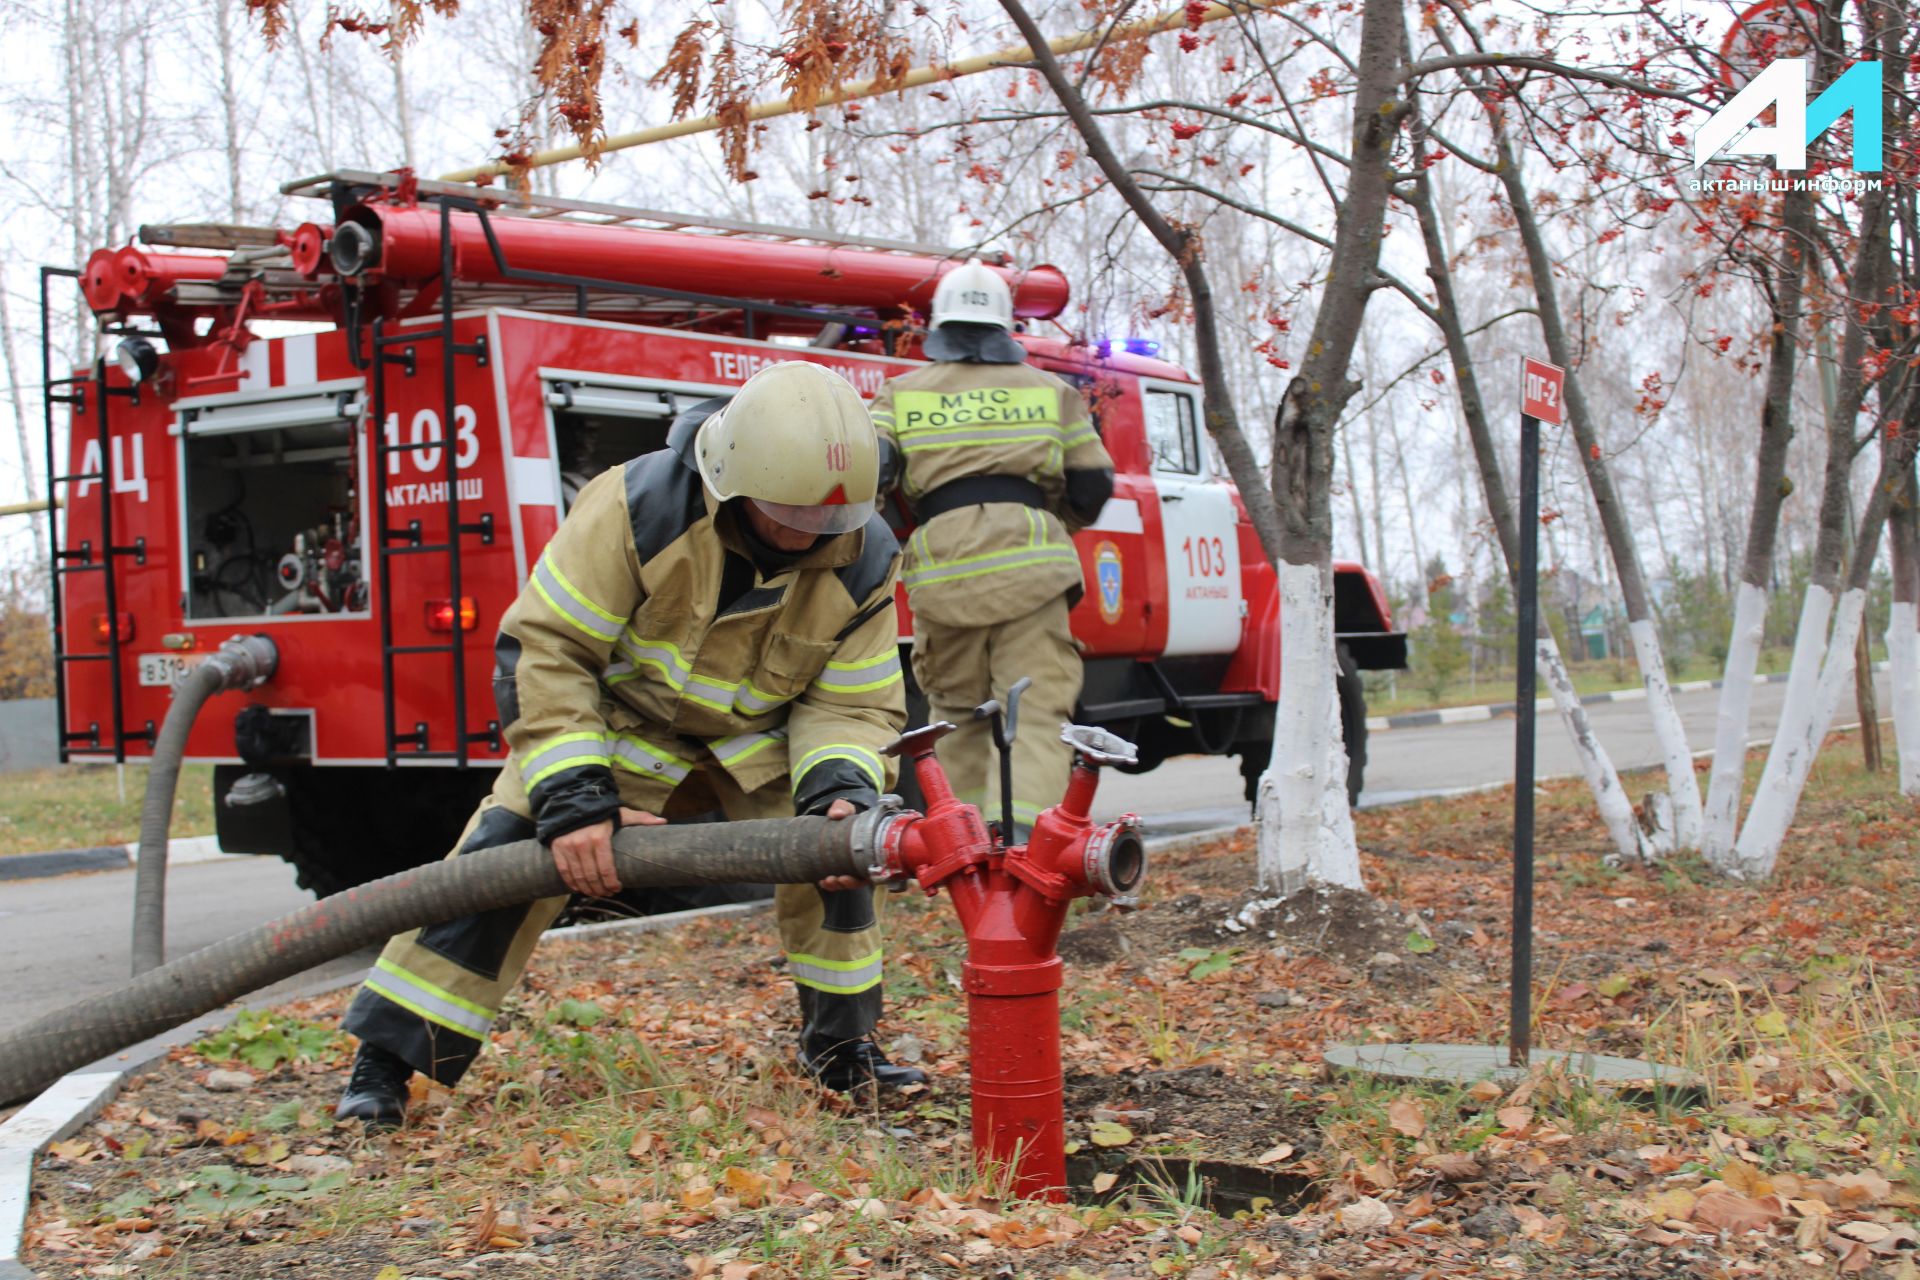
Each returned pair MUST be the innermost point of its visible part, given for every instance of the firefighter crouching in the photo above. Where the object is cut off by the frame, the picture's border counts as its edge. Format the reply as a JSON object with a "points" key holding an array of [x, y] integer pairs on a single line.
{"points": [[711, 628], [1000, 462]]}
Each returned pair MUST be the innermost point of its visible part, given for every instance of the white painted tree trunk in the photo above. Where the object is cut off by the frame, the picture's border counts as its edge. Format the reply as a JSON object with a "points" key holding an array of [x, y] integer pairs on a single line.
{"points": [[1671, 734], [1811, 702], [1616, 811], [1305, 831], [1722, 816], [1903, 656]]}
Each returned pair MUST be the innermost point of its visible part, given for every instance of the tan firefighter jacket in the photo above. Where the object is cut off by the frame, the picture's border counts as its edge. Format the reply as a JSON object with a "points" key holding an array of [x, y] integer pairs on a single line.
{"points": [[990, 561], [618, 670]]}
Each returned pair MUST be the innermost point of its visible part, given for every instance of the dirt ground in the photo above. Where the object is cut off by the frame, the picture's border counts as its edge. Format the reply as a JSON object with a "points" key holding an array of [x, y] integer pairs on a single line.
{"points": [[639, 1114]]}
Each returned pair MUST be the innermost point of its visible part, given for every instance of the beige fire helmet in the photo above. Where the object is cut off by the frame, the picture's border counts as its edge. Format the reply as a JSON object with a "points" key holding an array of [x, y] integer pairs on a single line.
{"points": [[798, 443]]}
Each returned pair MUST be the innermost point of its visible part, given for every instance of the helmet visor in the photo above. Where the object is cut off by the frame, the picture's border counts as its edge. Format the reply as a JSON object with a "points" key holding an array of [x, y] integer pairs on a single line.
{"points": [[840, 517]]}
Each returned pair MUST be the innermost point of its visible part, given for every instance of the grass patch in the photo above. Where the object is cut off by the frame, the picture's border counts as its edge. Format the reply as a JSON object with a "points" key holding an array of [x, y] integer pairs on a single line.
{"points": [[79, 806], [264, 1040], [1391, 693]]}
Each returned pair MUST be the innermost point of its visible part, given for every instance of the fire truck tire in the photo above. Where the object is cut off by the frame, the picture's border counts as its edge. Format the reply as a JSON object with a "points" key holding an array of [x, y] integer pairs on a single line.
{"points": [[1353, 721], [355, 825], [1351, 690]]}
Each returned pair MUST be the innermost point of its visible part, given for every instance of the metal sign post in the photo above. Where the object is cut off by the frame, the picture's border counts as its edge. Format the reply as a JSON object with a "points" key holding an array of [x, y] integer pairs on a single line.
{"points": [[1541, 385]]}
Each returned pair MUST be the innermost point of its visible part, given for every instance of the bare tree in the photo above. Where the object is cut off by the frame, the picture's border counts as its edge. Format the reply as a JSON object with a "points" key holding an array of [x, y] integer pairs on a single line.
{"points": [[16, 387], [1601, 777], [1785, 280], [1621, 544], [1903, 642]]}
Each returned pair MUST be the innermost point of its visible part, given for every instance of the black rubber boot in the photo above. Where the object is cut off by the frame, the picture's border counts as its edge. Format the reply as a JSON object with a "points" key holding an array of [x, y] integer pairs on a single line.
{"points": [[845, 1065], [377, 1090]]}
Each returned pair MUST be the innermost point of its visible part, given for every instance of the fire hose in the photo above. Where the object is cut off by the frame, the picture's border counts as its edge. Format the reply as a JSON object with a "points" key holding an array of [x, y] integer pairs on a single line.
{"points": [[763, 851], [1012, 900], [243, 662]]}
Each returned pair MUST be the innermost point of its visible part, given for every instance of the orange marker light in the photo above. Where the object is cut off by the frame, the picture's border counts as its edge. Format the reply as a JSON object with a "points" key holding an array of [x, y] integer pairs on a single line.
{"points": [[440, 614]]}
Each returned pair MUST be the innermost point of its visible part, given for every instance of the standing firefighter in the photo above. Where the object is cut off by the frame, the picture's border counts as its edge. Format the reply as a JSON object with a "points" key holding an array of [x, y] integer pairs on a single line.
{"points": [[1000, 463], [711, 628]]}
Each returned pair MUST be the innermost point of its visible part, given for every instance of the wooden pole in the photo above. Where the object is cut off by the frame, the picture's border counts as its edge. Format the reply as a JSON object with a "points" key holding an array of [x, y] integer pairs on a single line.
{"points": [[28, 508]]}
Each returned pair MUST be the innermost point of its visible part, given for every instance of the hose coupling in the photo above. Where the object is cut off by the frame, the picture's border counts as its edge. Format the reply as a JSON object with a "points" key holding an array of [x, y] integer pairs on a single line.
{"points": [[245, 662], [1115, 860], [874, 831]]}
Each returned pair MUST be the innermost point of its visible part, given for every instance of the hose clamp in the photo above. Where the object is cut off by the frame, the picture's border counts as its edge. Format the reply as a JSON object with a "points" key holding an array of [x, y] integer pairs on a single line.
{"points": [[246, 662], [872, 830]]}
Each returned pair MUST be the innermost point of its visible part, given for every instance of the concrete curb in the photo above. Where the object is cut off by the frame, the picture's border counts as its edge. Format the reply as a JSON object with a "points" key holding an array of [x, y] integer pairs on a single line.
{"points": [[110, 857], [60, 862], [79, 1096], [1506, 710]]}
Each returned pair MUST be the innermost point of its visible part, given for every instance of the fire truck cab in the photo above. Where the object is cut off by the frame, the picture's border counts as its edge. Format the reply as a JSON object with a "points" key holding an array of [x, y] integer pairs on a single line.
{"points": [[355, 437]]}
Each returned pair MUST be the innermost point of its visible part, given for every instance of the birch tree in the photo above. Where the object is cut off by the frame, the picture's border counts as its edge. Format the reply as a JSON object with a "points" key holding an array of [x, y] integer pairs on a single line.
{"points": [[1603, 781], [1903, 644], [1836, 593], [1876, 354], [1784, 280], [1622, 547]]}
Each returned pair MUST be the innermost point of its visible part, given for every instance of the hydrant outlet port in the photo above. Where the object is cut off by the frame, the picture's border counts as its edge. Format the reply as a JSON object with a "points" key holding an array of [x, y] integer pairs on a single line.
{"points": [[1116, 858]]}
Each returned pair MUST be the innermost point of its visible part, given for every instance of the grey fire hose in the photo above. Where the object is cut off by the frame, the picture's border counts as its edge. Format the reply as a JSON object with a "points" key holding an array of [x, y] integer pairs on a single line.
{"points": [[764, 851], [243, 662]]}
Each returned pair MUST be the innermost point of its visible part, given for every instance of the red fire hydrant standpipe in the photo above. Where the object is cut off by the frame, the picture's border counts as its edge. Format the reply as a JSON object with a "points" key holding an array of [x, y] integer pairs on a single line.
{"points": [[1012, 902]]}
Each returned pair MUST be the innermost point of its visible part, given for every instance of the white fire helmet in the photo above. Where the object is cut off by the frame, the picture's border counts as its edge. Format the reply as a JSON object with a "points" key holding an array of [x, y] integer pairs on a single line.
{"points": [[798, 443], [973, 294]]}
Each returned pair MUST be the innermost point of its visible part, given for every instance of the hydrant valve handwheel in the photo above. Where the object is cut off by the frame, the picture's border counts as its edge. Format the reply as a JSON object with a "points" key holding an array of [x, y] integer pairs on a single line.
{"points": [[1012, 902], [1099, 746]]}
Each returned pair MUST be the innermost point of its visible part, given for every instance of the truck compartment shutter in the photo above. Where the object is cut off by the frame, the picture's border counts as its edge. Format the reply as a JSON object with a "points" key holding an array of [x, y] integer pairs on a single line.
{"points": [[610, 399], [271, 411]]}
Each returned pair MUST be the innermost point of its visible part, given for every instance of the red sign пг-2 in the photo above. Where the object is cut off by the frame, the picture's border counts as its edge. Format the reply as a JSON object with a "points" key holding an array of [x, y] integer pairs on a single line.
{"points": [[1541, 385]]}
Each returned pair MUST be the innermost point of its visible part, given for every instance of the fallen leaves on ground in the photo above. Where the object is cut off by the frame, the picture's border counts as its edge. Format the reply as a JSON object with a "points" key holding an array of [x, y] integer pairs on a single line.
{"points": [[640, 1112]]}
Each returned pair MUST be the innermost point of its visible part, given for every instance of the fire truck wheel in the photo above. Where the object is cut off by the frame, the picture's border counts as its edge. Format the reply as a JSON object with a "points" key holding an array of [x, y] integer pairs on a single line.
{"points": [[1353, 722], [1255, 753], [352, 825]]}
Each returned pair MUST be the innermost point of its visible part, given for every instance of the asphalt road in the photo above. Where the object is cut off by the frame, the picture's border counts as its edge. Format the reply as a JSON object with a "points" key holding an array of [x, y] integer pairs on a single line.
{"points": [[67, 937]]}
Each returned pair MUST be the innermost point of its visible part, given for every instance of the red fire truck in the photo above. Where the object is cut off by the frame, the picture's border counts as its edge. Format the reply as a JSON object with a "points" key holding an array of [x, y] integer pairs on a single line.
{"points": [[355, 437]]}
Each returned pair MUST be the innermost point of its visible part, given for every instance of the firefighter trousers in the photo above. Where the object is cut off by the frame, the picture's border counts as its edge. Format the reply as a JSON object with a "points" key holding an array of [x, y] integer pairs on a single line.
{"points": [[959, 668], [434, 993]]}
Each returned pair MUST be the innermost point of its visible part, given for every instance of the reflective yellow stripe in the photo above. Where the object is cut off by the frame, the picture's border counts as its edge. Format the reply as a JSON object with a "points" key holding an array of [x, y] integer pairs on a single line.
{"points": [[941, 440], [990, 562], [861, 677], [721, 693], [753, 701], [744, 746], [663, 655], [419, 997], [441, 993], [580, 612], [865, 759], [568, 751], [1080, 437], [636, 755], [836, 977]]}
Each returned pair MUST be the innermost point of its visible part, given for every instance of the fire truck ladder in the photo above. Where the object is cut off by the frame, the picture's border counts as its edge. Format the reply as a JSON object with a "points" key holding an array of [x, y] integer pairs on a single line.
{"points": [[540, 289], [81, 559], [400, 350]]}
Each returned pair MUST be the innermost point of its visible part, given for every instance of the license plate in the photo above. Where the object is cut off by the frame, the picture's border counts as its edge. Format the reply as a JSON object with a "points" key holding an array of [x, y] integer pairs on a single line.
{"points": [[164, 670]]}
